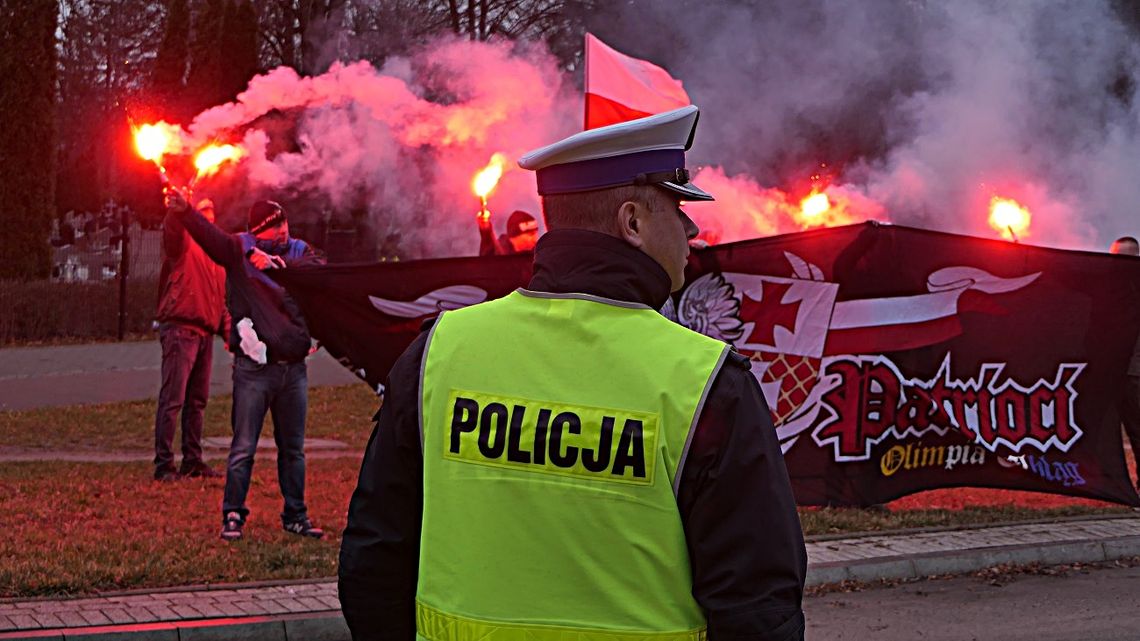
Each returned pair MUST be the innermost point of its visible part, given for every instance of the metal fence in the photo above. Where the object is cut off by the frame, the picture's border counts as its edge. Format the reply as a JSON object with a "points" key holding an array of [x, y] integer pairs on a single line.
{"points": [[86, 298], [98, 257], [90, 296]]}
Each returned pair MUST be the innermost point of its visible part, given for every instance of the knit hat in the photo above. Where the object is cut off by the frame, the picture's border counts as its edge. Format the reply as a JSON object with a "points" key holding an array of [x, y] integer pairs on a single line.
{"points": [[520, 223], [264, 214]]}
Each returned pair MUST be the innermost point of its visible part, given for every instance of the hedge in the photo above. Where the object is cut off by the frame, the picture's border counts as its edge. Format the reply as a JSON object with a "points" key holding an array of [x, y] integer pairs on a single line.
{"points": [[35, 311]]}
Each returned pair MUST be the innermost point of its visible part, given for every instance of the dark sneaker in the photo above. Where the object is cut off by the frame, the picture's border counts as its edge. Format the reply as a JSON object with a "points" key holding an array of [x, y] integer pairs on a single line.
{"points": [[231, 527], [202, 471], [166, 476], [304, 527]]}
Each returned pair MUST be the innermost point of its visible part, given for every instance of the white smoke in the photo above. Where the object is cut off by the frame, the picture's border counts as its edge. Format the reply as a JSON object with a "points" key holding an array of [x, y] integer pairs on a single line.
{"points": [[931, 108], [928, 110], [402, 144]]}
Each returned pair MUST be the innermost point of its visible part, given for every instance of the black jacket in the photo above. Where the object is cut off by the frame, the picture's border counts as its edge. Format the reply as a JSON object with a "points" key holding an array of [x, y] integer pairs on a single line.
{"points": [[735, 500], [276, 317]]}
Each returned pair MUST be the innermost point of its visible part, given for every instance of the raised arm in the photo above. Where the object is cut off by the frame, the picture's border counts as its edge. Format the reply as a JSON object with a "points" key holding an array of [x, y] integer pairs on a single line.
{"points": [[222, 248], [173, 236], [488, 246]]}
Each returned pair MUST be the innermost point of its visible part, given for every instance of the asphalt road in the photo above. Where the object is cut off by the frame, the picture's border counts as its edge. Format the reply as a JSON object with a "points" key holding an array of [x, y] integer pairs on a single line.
{"points": [[32, 377], [1101, 604]]}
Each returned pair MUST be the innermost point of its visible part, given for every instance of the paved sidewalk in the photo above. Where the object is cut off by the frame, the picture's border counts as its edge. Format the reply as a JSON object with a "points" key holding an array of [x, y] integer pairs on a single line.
{"points": [[921, 553], [32, 377], [309, 610]]}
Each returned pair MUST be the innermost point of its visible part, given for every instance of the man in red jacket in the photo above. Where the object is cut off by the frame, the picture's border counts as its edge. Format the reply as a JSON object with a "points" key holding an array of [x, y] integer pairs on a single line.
{"points": [[191, 309]]}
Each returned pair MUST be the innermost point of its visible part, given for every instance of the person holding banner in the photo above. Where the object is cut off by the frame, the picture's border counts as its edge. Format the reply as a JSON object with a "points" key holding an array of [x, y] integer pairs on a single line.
{"points": [[1130, 403], [565, 461], [270, 341]]}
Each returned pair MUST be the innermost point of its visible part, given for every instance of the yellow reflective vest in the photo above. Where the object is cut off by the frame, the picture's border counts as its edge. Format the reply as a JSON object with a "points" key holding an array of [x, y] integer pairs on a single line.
{"points": [[554, 430]]}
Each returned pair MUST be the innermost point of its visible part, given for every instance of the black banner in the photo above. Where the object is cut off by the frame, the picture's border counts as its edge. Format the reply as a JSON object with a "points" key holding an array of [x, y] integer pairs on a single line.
{"points": [[894, 360]]}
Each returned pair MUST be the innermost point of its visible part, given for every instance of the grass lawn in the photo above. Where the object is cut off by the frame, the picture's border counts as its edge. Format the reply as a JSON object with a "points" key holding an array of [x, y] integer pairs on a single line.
{"points": [[76, 528], [73, 528], [952, 508]]}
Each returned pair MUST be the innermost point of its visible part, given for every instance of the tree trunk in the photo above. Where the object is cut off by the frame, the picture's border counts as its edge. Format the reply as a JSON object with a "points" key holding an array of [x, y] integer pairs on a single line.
{"points": [[453, 12], [27, 141]]}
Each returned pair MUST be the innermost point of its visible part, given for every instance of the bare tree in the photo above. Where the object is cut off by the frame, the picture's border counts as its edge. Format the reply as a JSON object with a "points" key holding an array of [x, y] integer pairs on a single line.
{"points": [[27, 167], [106, 56], [309, 34], [110, 43], [294, 31], [514, 19], [382, 28]]}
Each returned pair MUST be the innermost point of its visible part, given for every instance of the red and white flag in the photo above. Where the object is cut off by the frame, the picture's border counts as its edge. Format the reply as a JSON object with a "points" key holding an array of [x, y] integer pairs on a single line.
{"points": [[621, 88]]}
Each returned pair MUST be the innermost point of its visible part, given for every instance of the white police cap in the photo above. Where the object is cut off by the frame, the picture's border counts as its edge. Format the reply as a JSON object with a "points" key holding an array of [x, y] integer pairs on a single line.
{"points": [[646, 151]]}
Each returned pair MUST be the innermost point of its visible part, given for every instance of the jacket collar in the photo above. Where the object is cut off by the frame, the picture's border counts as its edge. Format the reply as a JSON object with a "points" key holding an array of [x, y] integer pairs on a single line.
{"points": [[577, 261]]}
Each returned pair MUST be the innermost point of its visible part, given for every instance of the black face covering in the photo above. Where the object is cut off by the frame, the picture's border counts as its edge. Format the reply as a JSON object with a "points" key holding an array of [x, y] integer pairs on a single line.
{"points": [[272, 246]]}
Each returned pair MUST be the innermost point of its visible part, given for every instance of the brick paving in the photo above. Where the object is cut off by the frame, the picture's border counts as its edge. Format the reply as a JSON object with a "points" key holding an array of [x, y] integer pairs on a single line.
{"points": [[168, 606], [314, 603]]}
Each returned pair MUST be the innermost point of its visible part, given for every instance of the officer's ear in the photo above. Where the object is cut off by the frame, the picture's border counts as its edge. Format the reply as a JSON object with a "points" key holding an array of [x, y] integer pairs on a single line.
{"points": [[631, 218]]}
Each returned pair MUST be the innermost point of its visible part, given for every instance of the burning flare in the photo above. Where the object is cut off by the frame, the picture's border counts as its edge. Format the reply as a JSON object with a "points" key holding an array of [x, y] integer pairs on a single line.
{"points": [[211, 157], [153, 141], [813, 207], [485, 181], [744, 209], [1008, 218]]}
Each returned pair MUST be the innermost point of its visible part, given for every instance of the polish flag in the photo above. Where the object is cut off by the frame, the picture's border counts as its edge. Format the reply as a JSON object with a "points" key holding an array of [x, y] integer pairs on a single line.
{"points": [[621, 88]]}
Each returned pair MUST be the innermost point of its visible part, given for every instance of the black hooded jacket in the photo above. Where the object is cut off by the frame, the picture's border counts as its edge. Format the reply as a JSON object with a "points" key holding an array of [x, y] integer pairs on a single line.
{"points": [[745, 543], [250, 293]]}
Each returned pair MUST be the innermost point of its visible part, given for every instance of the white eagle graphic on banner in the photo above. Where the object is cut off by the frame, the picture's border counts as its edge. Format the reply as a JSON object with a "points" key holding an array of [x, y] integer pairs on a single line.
{"points": [[788, 325]]}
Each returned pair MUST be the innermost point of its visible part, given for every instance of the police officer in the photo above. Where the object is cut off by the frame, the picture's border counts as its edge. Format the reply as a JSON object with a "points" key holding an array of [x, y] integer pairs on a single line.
{"points": [[565, 460]]}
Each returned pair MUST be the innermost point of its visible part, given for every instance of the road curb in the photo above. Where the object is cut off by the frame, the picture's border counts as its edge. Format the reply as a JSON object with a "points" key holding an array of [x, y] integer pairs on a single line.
{"points": [[918, 566], [193, 587], [329, 625], [317, 626]]}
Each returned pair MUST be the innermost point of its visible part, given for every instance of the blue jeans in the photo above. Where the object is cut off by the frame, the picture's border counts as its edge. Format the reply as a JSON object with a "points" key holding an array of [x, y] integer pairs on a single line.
{"points": [[280, 389], [187, 354]]}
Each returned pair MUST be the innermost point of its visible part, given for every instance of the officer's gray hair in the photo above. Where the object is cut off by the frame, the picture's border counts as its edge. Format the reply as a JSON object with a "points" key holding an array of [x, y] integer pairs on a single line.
{"points": [[595, 210]]}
